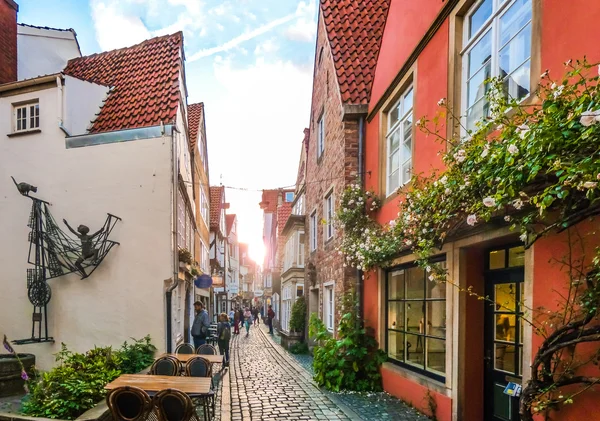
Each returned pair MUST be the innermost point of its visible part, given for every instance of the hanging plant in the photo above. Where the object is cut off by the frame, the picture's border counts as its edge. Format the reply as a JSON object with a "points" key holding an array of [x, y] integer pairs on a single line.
{"points": [[185, 256]]}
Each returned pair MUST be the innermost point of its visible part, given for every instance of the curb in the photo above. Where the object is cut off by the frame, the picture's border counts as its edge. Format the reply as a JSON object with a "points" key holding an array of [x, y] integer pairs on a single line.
{"points": [[348, 412], [225, 406]]}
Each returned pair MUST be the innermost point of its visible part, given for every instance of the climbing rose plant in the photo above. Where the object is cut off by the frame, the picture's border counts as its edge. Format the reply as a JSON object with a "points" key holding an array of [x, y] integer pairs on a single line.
{"points": [[532, 165]]}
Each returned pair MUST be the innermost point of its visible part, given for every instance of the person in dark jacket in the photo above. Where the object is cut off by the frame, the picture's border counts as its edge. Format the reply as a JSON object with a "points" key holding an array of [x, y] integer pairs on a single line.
{"points": [[224, 336], [200, 326], [271, 316], [236, 322]]}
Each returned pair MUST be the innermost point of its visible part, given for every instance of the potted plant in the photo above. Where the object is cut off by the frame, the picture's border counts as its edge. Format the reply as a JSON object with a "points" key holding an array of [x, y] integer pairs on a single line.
{"points": [[297, 324], [185, 259]]}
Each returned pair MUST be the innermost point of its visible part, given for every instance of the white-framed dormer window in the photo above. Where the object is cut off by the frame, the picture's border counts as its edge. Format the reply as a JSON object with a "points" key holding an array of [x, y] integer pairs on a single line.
{"points": [[328, 212], [299, 206], [321, 135], [313, 230], [289, 196], [26, 116], [329, 305], [497, 43], [399, 142]]}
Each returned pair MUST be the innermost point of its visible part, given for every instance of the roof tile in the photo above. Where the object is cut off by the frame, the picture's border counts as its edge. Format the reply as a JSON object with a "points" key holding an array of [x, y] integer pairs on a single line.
{"points": [[194, 116], [216, 198]]}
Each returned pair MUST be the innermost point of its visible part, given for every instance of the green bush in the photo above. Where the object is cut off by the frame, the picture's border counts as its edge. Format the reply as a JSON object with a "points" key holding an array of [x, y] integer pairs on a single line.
{"points": [[77, 383], [299, 348], [298, 317], [350, 362]]}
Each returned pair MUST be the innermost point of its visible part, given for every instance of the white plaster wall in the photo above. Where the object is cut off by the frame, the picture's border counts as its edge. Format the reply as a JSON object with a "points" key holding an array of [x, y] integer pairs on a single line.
{"points": [[81, 103], [125, 295], [43, 51]]}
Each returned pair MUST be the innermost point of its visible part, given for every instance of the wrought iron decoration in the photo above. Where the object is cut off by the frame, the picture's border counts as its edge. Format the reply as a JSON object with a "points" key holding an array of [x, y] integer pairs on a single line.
{"points": [[53, 253]]}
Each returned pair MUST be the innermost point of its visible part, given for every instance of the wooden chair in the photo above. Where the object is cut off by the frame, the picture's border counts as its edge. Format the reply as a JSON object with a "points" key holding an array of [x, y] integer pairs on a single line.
{"points": [[174, 405], [201, 367], [165, 366], [128, 403], [206, 349], [185, 349]]}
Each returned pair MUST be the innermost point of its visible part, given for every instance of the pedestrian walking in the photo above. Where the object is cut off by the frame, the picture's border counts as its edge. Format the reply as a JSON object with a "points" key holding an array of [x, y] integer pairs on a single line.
{"points": [[240, 318], [271, 316], [247, 320], [255, 314], [231, 316], [200, 326], [236, 322], [224, 336]]}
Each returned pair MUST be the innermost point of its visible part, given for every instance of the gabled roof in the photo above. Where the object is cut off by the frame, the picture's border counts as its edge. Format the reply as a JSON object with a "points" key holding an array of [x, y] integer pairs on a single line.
{"points": [[269, 200], [194, 117], [216, 200], [144, 81], [229, 222], [355, 30]]}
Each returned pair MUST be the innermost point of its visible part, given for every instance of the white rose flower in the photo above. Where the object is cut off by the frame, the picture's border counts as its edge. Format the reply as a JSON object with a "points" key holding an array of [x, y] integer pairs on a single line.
{"points": [[589, 117], [447, 191], [444, 179], [408, 242], [485, 151], [523, 237], [523, 129], [489, 202], [507, 218], [460, 156], [442, 102], [428, 268], [590, 184], [558, 91], [431, 278], [472, 219], [513, 150], [518, 204]]}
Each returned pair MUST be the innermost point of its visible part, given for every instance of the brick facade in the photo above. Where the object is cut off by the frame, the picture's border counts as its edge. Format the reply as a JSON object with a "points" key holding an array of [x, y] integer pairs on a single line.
{"points": [[8, 41], [331, 172]]}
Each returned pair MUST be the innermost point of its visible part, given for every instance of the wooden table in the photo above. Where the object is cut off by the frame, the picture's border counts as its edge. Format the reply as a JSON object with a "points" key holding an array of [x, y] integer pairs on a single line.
{"points": [[184, 358], [149, 383]]}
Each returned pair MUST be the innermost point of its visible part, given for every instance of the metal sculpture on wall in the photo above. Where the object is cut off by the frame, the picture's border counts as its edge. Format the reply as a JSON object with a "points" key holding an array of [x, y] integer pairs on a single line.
{"points": [[53, 253]]}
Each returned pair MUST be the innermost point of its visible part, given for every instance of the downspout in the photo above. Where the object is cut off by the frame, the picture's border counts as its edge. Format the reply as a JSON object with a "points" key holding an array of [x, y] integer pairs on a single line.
{"points": [[60, 106], [175, 284], [361, 181]]}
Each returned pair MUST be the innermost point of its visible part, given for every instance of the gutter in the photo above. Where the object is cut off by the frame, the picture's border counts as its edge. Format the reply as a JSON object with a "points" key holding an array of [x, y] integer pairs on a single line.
{"points": [[60, 95], [175, 284], [29, 82], [361, 181]]}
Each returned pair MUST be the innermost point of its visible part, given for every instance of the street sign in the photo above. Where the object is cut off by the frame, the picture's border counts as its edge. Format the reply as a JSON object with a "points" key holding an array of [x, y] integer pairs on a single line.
{"points": [[258, 293], [234, 289]]}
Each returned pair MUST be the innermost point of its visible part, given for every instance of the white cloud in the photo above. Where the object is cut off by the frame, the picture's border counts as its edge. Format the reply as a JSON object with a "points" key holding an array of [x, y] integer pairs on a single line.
{"points": [[114, 29], [266, 47], [220, 10], [305, 28]]}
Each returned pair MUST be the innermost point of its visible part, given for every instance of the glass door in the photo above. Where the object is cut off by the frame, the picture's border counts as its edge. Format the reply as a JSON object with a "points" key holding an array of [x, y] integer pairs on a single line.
{"points": [[503, 331]]}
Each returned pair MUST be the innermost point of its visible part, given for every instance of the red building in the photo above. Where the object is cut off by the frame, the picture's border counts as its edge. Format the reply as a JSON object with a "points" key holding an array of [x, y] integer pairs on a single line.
{"points": [[445, 346]]}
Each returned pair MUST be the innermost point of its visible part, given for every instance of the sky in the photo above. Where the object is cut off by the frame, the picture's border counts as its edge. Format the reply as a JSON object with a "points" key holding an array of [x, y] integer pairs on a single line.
{"points": [[249, 61]]}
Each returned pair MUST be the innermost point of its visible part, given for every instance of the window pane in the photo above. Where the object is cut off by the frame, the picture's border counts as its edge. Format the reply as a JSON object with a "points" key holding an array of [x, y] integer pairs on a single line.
{"points": [[505, 327], [396, 285], [394, 141], [436, 318], [415, 286], [393, 182], [517, 16], [396, 345], [478, 18], [406, 171], [436, 355], [407, 147], [415, 350], [394, 162], [407, 124], [505, 357], [436, 289], [480, 54], [394, 115], [407, 102], [476, 87], [497, 259], [515, 52], [415, 316], [506, 297], [516, 257], [396, 315], [517, 84]]}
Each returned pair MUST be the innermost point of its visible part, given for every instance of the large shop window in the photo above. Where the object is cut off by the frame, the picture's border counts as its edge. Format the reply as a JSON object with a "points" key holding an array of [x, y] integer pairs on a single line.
{"points": [[497, 36], [416, 320]]}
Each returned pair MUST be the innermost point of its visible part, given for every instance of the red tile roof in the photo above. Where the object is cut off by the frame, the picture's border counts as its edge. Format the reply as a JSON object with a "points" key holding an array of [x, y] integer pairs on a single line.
{"points": [[283, 213], [194, 117], [269, 200], [216, 199], [144, 81], [355, 30], [229, 222]]}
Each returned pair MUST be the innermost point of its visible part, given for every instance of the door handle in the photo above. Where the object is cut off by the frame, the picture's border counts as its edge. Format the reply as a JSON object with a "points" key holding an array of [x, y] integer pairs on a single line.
{"points": [[488, 357]]}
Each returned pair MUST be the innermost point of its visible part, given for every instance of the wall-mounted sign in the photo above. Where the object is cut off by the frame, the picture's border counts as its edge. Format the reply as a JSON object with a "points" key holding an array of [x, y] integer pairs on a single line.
{"points": [[234, 289], [258, 293]]}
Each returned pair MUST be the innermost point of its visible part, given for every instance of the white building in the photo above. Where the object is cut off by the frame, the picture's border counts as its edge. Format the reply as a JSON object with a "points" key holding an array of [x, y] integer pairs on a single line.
{"points": [[104, 134]]}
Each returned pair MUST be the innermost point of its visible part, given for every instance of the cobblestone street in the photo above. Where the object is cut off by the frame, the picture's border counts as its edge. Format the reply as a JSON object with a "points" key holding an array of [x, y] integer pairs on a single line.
{"points": [[267, 383]]}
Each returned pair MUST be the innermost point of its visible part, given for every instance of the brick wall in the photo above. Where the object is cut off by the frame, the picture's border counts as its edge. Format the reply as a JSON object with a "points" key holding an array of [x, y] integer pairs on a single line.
{"points": [[8, 41], [335, 169]]}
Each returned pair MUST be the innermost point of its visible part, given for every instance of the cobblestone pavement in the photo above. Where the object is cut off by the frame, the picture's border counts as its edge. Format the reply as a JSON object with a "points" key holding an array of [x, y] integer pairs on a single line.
{"points": [[266, 384], [362, 406]]}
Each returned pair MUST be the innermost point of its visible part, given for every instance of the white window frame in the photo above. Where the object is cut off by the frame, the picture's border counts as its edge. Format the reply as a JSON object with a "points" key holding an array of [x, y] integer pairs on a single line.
{"points": [[321, 135], [405, 114], [329, 215], [300, 249], [492, 24], [26, 118], [287, 195], [299, 206], [313, 230], [329, 305]]}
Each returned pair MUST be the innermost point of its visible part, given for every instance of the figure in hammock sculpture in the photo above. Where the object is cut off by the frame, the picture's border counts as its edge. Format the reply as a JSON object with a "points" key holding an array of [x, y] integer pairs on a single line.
{"points": [[88, 251]]}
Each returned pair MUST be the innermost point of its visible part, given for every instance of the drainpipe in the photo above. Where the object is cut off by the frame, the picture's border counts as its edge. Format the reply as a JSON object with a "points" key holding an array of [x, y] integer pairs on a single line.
{"points": [[169, 292], [359, 273], [60, 105]]}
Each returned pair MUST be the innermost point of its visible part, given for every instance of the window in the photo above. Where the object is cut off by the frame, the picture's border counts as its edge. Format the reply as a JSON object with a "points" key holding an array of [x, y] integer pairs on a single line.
{"points": [[26, 117], [328, 209], [268, 280], [321, 135], [329, 306], [299, 206], [313, 231], [181, 221], [416, 320], [299, 290], [399, 142], [286, 307], [300, 258], [204, 206], [497, 36], [289, 196]]}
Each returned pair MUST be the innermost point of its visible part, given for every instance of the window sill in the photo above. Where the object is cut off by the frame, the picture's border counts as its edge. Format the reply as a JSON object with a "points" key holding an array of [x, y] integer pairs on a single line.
{"points": [[421, 379], [24, 133]]}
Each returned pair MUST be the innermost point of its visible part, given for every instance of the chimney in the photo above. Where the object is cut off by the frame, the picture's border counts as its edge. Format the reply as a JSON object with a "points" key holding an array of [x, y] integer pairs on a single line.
{"points": [[8, 41]]}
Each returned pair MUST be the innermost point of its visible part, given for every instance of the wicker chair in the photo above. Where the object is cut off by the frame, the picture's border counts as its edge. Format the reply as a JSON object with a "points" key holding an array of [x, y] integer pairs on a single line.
{"points": [[129, 403], [201, 367], [185, 349], [174, 405], [165, 366], [206, 349]]}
